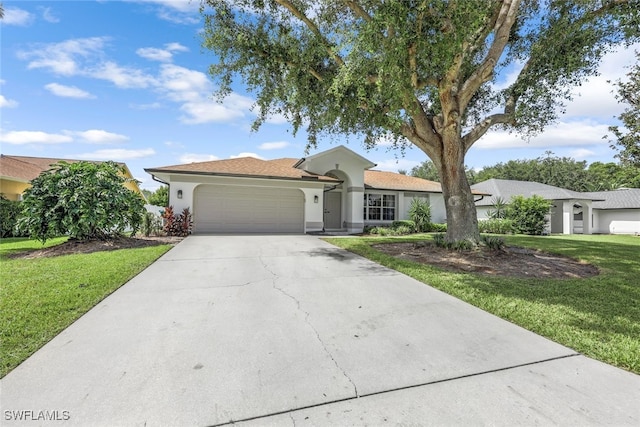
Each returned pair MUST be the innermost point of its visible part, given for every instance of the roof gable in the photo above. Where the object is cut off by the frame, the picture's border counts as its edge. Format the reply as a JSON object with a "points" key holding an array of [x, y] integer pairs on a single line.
{"points": [[335, 154]]}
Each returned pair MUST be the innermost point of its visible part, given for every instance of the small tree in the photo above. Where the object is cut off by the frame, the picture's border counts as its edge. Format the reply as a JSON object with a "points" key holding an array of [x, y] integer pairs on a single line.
{"points": [[160, 197], [529, 215], [83, 200], [420, 214]]}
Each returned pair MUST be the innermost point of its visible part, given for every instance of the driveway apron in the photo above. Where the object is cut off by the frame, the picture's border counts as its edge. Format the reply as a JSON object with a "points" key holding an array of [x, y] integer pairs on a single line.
{"points": [[284, 330]]}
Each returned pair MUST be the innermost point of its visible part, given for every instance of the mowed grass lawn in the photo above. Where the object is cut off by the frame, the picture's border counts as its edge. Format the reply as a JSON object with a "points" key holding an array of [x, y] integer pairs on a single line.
{"points": [[598, 317], [41, 297]]}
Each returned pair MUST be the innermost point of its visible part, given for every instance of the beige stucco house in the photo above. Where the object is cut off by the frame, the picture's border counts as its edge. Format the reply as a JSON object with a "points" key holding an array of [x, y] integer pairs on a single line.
{"points": [[331, 190]]}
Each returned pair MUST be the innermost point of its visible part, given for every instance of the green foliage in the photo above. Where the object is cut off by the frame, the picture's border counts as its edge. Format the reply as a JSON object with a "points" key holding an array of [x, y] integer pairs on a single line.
{"points": [[438, 228], [404, 223], [496, 226], [177, 225], [9, 214], [151, 224], [83, 200], [494, 243], [628, 143], [499, 210], [160, 197], [420, 214], [529, 215]]}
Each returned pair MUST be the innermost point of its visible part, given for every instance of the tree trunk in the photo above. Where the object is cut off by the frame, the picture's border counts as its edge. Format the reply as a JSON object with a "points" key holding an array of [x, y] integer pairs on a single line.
{"points": [[462, 218]]}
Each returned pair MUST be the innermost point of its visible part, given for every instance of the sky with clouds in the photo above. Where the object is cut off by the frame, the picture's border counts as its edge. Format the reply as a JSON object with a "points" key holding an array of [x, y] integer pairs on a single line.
{"points": [[127, 81]]}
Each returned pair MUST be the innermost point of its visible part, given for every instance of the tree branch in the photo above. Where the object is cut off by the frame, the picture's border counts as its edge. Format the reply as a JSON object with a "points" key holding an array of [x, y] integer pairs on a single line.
{"points": [[312, 26], [358, 10], [505, 20], [481, 128]]}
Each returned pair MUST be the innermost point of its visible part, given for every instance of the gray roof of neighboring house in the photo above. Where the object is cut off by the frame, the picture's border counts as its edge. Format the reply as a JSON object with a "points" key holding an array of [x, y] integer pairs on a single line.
{"points": [[506, 188], [625, 198]]}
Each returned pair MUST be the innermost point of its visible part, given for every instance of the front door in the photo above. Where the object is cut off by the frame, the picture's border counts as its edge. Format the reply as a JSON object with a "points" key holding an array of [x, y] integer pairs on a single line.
{"points": [[332, 210]]}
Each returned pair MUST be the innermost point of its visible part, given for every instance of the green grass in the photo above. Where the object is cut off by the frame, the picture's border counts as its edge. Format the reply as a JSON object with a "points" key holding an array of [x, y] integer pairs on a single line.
{"points": [[598, 317], [41, 297]]}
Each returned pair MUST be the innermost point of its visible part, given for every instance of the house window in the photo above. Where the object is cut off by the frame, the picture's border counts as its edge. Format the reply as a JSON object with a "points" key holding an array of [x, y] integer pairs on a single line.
{"points": [[379, 207]]}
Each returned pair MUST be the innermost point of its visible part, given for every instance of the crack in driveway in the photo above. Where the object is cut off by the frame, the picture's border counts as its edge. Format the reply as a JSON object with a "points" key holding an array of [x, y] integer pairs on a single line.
{"points": [[308, 322]]}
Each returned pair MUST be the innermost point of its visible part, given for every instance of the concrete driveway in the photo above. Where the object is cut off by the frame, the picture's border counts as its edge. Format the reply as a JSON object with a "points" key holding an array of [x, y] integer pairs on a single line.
{"points": [[289, 330]]}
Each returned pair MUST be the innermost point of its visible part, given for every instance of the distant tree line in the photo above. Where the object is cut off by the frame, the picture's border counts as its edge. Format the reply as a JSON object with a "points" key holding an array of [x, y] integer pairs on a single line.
{"points": [[564, 172]]}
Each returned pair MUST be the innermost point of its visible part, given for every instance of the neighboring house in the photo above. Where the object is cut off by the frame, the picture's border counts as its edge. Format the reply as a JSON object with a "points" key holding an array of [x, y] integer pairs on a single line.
{"points": [[615, 212], [16, 173], [618, 213], [331, 190]]}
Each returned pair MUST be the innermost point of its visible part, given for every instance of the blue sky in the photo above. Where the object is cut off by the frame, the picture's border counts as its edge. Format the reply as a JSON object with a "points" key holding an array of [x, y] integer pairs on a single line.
{"points": [[127, 81]]}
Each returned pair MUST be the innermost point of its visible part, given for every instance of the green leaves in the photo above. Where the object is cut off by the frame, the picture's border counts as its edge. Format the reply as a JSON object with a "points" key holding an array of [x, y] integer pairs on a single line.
{"points": [[83, 200]]}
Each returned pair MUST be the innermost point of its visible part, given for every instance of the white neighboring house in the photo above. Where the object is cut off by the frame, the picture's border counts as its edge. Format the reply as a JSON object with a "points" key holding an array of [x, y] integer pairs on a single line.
{"points": [[331, 190], [608, 212], [618, 213]]}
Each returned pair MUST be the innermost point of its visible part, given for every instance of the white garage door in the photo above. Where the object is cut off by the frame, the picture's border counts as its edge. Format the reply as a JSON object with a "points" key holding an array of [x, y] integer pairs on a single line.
{"points": [[229, 209]]}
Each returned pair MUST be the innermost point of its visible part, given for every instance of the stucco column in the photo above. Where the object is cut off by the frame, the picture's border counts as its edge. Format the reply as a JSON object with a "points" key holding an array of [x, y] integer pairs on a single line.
{"points": [[354, 219], [567, 217], [587, 212]]}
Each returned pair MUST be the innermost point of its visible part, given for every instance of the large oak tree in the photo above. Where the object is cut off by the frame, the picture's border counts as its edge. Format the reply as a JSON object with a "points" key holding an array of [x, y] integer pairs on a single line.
{"points": [[421, 72]]}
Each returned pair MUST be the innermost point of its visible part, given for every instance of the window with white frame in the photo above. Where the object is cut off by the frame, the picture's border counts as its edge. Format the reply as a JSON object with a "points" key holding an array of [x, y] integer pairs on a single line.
{"points": [[379, 207]]}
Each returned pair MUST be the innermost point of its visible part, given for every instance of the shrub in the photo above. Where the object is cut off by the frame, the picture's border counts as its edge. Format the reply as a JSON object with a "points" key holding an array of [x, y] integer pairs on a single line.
{"points": [[499, 210], [177, 225], [492, 242], [438, 240], [438, 228], [496, 226], [528, 214], [151, 224], [83, 200], [9, 213], [404, 223], [420, 214]]}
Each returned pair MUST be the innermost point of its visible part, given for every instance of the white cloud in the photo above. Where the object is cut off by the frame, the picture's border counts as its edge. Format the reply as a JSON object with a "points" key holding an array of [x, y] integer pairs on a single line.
{"points": [[16, 16], [24, 137], [196, 158], [68, 91], [393, 165], [155, 54], [117, 154], [63, 58], [576, 133], [98, 136], [176, 11], [7, 103], [581, 153], [277, 145], [192, 88], [47, 15], [162, 55], [122, 77], [239, 155]]}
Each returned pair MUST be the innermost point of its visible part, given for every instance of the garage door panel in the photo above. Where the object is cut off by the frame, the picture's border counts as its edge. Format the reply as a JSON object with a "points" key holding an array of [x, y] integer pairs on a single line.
{"points": [[248, 209]]}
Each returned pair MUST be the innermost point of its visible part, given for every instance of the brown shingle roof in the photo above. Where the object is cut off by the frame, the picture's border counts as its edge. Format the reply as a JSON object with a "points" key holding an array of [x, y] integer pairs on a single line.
{"points": [[245, 166], [25, 168], [394, 181]]}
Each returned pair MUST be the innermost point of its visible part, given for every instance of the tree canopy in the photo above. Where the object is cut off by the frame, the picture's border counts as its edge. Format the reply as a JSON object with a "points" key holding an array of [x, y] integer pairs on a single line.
{"points": [[628, 143], [83, 200], [427, 73]]}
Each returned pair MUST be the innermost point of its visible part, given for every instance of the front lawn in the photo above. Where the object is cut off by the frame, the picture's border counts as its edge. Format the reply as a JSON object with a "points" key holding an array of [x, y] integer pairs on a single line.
{"points": [[40, 297], [598, 317]]}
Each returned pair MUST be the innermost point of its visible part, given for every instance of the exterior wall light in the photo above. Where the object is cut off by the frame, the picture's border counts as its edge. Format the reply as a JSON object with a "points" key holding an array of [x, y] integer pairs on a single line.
{"points": [[179, 194], [315, 199]]}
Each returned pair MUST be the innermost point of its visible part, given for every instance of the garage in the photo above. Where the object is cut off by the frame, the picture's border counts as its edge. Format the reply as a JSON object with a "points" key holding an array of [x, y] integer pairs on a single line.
{"points": [[239, 209]]}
